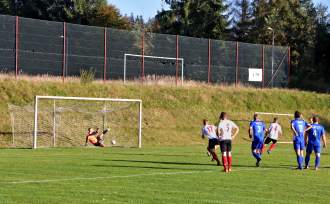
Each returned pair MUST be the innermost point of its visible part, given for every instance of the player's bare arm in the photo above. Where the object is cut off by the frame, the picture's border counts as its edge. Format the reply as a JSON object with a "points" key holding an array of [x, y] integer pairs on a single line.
{"points": [[250, 132], [324, 141], [236, 131], [294, 130]]}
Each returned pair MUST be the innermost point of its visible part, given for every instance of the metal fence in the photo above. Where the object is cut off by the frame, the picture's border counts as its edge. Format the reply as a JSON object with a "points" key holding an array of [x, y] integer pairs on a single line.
{"points": [[37, 47]]}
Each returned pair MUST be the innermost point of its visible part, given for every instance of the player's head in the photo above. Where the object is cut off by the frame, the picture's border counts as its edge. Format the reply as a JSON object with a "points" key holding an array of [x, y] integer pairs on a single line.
{"points": [[316, 119], [223, 116], [311, 119], [297, 114], [255, 116], [90, 129], [276, 120], [205, 121]]}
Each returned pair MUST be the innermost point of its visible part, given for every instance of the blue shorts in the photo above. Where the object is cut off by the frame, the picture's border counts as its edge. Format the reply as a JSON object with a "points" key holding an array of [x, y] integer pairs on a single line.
{"points": [[257, 144], [315, 147], [299, 144]]}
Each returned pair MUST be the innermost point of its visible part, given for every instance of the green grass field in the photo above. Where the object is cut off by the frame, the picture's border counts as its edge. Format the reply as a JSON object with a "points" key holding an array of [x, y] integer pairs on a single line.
{"points": [[157, 175]]}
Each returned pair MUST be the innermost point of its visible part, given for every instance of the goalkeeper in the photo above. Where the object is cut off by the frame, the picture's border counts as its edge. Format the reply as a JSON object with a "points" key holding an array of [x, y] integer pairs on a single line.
{"points": [[95, 138]]}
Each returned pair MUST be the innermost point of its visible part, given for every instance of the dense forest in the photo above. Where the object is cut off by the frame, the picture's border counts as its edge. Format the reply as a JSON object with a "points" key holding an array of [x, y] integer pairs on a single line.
{"points": [[300, 24]]}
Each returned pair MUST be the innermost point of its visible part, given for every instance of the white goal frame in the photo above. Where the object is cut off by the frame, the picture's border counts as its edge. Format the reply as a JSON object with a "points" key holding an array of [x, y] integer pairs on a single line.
{"points": [[277, 114], [37, 98], [152, 57]]}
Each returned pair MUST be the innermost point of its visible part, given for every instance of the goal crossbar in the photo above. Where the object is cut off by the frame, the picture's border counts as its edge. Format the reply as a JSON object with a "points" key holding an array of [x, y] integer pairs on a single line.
{"points": [[279, 114], [34, 142], [152, 57]]}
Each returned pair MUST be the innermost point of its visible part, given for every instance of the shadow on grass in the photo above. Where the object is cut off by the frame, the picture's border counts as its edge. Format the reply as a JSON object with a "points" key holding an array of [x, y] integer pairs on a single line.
{"points": [[151, 167], [149, 154], [197, 164], [162, 162]]}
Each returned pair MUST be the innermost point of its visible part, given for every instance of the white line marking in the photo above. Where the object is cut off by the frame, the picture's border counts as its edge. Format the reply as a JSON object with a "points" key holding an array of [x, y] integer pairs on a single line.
{"points": [[130, 176]]}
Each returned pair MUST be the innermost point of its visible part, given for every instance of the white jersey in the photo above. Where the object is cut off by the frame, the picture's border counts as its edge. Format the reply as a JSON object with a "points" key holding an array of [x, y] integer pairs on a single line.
{"points": [[274, 131], [210, 131], [226, 127]]}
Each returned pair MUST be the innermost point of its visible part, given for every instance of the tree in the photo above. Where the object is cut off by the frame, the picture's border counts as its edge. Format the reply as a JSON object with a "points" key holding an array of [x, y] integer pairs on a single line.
{"points": [[194, 18], [109, 16], [242, 20]]}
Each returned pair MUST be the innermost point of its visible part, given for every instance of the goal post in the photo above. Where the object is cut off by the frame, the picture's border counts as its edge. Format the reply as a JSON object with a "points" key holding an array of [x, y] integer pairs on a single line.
{"points": [[285, 122], [126, 55], [59, 121]]}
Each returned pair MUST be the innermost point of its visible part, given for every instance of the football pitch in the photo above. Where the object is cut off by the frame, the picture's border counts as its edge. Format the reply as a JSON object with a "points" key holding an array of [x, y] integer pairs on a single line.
{"points": [[157, 175]]}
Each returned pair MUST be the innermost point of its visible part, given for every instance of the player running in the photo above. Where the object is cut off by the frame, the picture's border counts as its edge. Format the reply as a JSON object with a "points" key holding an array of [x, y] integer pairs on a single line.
{"points": [[298, 127], [313, 140], [274, 132], [227, 131], [257, 133], [95, 138], [210, 132]]}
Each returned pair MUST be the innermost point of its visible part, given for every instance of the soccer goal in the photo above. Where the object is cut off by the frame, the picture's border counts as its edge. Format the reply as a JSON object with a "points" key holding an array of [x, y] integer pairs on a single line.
{"points": [[160, 65], [285, 122], [57, 121]]}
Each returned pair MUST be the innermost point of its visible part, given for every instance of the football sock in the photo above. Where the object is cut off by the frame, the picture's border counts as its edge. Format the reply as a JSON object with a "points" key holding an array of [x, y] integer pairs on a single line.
{"points": [[307, 158], [272, 146], [229, 161], [263, 148], [224, 161], [215, 157], [256, 155], [317, 161]]}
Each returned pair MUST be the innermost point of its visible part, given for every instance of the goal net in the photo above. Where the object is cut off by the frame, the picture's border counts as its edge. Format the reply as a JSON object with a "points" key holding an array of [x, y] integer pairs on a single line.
{"points": [[155, 67], [55, 121]]}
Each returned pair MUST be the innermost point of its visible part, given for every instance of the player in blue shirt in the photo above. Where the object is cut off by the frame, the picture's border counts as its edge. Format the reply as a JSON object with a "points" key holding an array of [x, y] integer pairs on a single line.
{"points": [[299, 127], [313, 140], [257, 133]]}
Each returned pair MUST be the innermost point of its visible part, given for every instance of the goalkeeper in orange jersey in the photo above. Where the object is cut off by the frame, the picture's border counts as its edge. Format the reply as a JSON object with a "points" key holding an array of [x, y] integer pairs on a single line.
{"points": [[95, 138]]}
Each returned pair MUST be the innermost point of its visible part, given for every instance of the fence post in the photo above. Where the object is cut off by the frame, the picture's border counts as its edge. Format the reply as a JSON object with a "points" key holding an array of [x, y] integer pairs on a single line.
{"points": [[263, 66], [236, 78], [105, 56], [209, 62], [64, 52], [142, 63], [16, 45], [289, 64], [177, 60]]}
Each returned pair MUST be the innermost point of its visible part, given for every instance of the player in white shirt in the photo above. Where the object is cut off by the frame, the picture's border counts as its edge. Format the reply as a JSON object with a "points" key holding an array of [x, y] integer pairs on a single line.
{"points": [[209, 131], [227, 131], [274, 132]]}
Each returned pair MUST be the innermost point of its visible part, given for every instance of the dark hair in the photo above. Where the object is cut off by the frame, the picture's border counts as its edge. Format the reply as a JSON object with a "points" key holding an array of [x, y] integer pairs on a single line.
{"points": [[89, 129], [205, 121], [222, 115], [316, 119], [297, 114], [255, 116], [275, 119]]}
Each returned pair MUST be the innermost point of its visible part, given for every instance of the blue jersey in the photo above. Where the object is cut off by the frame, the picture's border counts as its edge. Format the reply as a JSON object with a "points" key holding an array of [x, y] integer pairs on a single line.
{"points": [[315, 134], [258, 129], [299, 125]]}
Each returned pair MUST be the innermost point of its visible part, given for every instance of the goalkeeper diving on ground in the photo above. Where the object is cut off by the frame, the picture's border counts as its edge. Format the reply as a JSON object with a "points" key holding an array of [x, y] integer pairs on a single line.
{"points": [[95, 138]]}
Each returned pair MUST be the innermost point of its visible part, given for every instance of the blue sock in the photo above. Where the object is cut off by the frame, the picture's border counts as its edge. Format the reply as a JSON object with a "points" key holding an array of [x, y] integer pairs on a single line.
{"points": [[301, 161], [307, 158], [256, 155], [317, 161], [298, 161]]}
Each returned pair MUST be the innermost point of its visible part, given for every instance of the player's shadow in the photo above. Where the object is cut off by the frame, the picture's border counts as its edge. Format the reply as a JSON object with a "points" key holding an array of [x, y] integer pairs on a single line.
{"points": [[150, 167], [162, 162], [149, 154]]}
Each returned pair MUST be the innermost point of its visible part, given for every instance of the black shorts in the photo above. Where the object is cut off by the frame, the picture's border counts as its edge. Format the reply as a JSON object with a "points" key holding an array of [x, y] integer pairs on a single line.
{"points": [[225, 145], [268, 140], [212, 143]]}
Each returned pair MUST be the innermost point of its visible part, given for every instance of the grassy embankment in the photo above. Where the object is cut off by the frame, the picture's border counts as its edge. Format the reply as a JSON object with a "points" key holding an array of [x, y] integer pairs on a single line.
{"points": [[172, 115]]}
